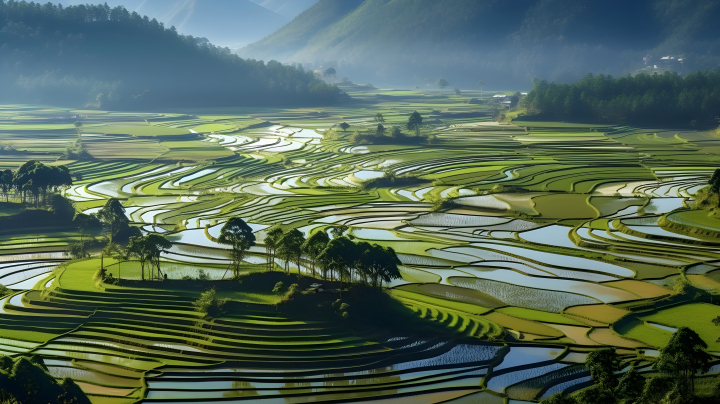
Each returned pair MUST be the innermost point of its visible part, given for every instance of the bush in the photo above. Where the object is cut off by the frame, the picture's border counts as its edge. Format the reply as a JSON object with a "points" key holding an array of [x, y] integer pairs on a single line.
{"points": [[279, 287], [209, 303], [202, 276]]}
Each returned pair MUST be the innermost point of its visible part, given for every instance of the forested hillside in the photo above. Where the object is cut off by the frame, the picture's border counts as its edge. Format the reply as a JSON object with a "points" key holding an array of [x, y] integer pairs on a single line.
{"points": [[505, 43], [111, 58], [654, 99]]}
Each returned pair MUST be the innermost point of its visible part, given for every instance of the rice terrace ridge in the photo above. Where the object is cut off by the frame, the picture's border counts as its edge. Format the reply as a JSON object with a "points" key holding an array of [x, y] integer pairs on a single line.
{"points": [[187, 223]]}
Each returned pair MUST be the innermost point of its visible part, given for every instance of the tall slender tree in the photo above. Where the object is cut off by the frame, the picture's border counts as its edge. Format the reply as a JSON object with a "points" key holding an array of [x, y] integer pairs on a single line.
{"points": [[272, 240], [314, 245], [237, 234]]}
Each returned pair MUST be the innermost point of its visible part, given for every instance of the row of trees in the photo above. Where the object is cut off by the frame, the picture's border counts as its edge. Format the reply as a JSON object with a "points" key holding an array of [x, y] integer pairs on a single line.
{"points": [[393, 135], [655, 99], [34, 181], [678, 363], [337, 257]]}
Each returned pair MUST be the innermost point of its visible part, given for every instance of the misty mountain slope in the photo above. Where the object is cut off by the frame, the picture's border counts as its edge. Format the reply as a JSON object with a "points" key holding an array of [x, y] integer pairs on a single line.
{"points": [[296, 34], [233, 23], [109, 57], [287, 8], [506, 41]]}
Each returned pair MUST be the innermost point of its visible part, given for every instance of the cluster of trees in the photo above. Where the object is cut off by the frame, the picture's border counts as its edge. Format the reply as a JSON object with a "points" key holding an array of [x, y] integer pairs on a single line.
{"points": [[674, 383], [147, 249], [34, 181], [392, 135], [337, 257], [653, 99], [112, 58], [26, 380]]}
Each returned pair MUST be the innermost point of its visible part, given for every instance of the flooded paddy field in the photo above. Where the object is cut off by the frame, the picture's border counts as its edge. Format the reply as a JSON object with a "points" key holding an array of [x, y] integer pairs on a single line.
{"points": [[529, 244]]}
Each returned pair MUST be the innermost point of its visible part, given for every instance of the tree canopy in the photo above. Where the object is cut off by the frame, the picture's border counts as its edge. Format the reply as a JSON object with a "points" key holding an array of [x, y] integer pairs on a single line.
{"points": [[26, 380], [667, 98], [237, 234]]}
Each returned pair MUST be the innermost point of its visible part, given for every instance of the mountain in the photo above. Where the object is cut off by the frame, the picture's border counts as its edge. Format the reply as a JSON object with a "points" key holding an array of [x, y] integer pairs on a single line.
{"points": [[503, 42], [111, 58], [287, 8], [231, 23]]}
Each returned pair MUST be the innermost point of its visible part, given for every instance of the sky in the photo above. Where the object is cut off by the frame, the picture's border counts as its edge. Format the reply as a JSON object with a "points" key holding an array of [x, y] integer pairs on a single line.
{"points": [[231, 23]]}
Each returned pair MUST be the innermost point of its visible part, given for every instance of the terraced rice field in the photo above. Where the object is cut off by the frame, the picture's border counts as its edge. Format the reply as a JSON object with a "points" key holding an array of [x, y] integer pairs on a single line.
{"points": [[531, 243]]}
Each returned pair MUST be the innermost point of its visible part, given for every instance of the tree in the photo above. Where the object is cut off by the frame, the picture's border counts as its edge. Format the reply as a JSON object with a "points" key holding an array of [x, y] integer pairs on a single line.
{"points": [[330, 72], [314, 245], [148, 250], [26, 380], [344, 126], [559, 398], [337, 257], [240, 237], [62, 207], [78, 127], [442, 83], [715, 181], [415, 121], [272, 240], [113, 214], [603, 363], [481, 84], [380, 129], [117, 253], [684, 356], [6, 183], [338, 231], [290, 248], [84, 222], [630, 386], [379, 118], [137, 248]]}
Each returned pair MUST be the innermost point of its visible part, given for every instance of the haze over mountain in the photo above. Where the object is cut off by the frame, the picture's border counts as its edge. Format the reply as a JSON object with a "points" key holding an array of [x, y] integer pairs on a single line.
{"points": [[231, 23], [504, 43], [111, 58]]}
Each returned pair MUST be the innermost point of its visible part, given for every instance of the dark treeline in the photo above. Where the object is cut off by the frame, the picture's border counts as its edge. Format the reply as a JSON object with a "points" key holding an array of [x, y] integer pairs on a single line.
{"points": [[672, 381], [26, 380], [643, 99], [112, 58]]}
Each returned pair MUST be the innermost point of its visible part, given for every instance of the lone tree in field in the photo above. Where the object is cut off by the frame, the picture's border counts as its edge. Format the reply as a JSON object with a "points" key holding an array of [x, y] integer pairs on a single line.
{"points": [[442, 83], [415, 121], [481, 84], [237, 234], [344, 126], [683, 357], [113, 215], [78, 127], [379, 118], [314, 245], [330, 73], [272, 241]]}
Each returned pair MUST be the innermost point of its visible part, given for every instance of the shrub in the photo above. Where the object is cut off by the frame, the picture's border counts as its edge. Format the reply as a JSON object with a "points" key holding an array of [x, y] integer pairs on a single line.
{"points": [[279, 288], [202, 276], [209, 303]]}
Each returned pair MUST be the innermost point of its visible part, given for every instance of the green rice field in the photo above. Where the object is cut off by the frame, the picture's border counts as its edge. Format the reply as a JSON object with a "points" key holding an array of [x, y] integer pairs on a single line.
{"points": [[524, 246]]}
